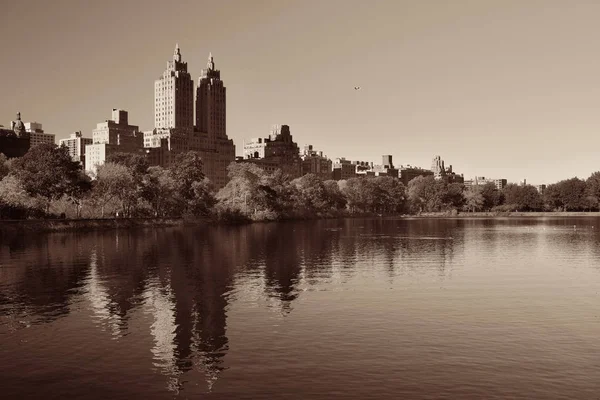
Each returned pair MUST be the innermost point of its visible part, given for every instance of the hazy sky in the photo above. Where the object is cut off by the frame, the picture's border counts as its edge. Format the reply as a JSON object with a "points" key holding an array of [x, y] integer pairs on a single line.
{"points": [[497, 88]]}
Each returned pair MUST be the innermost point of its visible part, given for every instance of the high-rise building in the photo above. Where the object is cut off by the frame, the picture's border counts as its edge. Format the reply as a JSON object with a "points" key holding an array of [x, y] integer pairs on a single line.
{"points": [[174, 126], [210, 133], [174, 96], [37, 134], [76, 144], [211, 101], [112, 136], [438, 168], [440, 171]]}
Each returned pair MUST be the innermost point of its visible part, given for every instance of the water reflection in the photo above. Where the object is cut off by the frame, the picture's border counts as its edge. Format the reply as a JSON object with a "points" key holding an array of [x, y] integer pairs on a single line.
{"points": [[177, 286]]}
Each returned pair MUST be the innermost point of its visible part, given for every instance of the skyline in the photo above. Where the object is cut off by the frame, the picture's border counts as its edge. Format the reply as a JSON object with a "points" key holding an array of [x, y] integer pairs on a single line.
{"points": [[502, 89]]}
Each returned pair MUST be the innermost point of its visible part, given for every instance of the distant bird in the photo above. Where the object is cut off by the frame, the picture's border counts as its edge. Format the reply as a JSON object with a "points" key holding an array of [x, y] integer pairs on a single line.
{"points": [[356, 87]]}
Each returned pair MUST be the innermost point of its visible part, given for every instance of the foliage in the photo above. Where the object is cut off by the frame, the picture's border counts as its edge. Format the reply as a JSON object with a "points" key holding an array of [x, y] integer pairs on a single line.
{"points": [[492, 197], [49, 172], [47, 180], [13, 195], [474, 199], [426, 194], [4, 166], [522, 198], [113, 182], [159, 190]]}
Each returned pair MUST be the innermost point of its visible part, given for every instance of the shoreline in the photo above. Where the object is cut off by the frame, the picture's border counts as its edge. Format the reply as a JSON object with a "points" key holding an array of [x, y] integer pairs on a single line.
{"points": [[509, 214], [82, 225]]}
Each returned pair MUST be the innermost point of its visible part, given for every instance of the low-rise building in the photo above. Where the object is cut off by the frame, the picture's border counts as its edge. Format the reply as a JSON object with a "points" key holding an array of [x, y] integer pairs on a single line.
{"points": [[408, 173], [343, 169], [14, 142], [540, 188], [278, 151], [314, 162], [386, 168], [481, 180]]}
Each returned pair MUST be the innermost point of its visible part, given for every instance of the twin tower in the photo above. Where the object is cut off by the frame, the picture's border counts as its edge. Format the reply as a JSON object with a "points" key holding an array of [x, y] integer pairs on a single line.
{"points": [[174, 99], [174, 117]]}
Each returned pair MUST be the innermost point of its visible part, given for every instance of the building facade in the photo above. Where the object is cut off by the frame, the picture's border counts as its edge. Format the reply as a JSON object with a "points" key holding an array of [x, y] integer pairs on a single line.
{"points": [[14, 142], [343, 169], [174, 96], [482, 180], [280, 152], [76, 144], [386, 168], [210, 133], [408, 173], [540, 188], [175, 131], [314, 162], [37, 134], [111, 136]]}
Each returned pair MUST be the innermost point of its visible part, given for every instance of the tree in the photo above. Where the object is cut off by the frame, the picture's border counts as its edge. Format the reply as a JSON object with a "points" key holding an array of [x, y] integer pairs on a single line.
{"points": [[335, 197], [113, 182], [237, 195], [492, 197], [390, 195], [310, 194], [552, 198], [425, 193], [159, 190], [14, 196], [593, 190], [572, 194], [136, 163], [4, 170], [360, 194], [48, 171], [203, 198], [453, 196], [76, 192], [522, 198], [569, 195], [474, 199]]}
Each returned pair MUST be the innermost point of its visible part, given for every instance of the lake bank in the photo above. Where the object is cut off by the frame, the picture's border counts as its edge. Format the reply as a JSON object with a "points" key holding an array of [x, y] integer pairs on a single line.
{"points": [[65, 225], [503, 214]]}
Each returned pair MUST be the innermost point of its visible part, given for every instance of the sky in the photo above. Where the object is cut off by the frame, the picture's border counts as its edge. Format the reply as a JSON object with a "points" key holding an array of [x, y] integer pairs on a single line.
{"points": [[501, 89]]}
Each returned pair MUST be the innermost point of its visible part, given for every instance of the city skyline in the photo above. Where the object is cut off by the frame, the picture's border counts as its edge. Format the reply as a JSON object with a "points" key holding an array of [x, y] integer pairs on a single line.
{"points": [[502, 89]]}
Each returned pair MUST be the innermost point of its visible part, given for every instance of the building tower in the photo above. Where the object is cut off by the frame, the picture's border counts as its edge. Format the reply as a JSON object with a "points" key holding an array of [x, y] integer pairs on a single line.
{"points": [[438, 168], [218, 151], [211, 102], [174, 96]]}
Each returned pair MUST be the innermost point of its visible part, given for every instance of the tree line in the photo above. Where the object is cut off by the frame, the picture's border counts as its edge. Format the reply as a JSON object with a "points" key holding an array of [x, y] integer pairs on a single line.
{"points": [[47, 183]]}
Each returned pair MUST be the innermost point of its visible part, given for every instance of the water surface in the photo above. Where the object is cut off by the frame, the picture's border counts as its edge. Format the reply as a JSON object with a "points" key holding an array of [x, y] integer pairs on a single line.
{"points": [[353, 309]]}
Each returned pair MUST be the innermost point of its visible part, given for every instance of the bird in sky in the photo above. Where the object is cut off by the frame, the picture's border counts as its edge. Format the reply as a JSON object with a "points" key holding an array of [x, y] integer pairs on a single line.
{"points": [[356, 87]]}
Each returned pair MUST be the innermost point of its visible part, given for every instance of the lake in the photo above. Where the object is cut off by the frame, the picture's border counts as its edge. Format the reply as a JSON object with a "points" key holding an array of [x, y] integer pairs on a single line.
{"points": [[349, 309]]}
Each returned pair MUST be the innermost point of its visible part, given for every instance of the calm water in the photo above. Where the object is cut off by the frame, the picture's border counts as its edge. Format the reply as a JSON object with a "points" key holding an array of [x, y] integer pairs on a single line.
{"points": [[352, 309]]}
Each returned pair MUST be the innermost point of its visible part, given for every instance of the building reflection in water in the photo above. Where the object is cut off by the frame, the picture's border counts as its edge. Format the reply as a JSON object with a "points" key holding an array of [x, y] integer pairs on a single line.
{"points": [[179, 283]]}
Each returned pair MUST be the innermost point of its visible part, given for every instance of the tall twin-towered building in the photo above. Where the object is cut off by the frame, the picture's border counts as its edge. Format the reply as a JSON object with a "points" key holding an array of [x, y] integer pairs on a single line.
{"points": [[175, 130], [174, 96]]}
